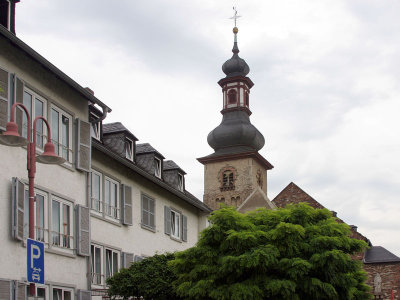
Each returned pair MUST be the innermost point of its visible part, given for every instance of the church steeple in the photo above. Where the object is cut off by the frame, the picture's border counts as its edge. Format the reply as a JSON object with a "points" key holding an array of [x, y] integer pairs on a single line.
{"points": [[236, 174]]}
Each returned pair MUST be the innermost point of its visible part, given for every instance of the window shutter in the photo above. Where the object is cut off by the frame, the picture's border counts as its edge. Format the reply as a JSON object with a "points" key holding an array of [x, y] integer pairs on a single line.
{"points": [[84, 295], [20, 291], [18, 197], [126, 196], [127, 259], [19, 98], [6, 289], [138, 258], [82, 230], [4, 98], [167, 220], [184, 228], [83, 146]]}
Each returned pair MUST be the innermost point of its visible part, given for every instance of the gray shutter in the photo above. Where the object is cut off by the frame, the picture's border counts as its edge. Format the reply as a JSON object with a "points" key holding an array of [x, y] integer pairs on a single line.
{"points": [[126, 204], [84, 295], [83, 146], [18, 201], [184, 228], [6, 289], [82, 230], [20, 291], [167, 220], [4, 98], [19, 98], [138, 258], [127, 259]]}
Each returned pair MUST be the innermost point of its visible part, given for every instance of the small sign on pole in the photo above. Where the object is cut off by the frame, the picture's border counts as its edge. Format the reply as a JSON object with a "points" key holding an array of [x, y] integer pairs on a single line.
{"points": [[35, 261]]}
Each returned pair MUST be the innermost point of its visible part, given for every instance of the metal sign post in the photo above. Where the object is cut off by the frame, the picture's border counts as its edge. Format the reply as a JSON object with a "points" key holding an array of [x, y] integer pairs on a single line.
{"points": [[35, 261]]}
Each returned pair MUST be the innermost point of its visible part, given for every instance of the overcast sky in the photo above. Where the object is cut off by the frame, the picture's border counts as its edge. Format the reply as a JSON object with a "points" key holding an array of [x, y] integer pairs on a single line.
{"points": [[326, 94]]}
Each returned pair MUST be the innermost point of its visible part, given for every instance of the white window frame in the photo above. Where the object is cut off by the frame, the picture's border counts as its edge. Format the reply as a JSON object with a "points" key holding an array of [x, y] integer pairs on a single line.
{"points": [[157, 167], [40, 286], [63, 289], [143, 196], [111, 211], [58, 143], [45, 229], [113, 251], [70, 243], [32, 113], [181, 182], [95, 130], [92, 199], [129, 150], [93, 274], [176, 226]]}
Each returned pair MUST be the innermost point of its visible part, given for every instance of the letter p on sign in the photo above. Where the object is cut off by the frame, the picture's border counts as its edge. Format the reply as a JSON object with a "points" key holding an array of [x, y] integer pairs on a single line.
{"points": [[35, 261]]}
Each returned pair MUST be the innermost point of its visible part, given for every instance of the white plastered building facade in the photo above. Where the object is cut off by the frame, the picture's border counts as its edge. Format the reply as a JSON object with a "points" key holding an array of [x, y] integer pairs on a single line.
{"points": [[100, 210]]}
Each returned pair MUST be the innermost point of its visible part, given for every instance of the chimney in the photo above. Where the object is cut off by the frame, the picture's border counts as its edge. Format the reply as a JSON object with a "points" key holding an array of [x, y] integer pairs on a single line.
{"points": [[354, 227], [89, 90], [7, 14], [334, 213]]}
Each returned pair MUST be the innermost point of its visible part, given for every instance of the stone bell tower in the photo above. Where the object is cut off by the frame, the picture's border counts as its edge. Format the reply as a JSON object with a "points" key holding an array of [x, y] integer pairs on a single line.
{"points": [[236, 174]]}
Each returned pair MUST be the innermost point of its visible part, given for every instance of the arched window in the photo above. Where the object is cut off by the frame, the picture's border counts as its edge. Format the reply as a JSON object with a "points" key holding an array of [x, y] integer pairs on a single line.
{"points": [[247, 99], [232, 96], [227, 181]]}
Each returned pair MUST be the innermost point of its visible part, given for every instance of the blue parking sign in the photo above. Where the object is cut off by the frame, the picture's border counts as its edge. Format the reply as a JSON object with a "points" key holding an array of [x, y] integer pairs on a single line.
{"points": [[35, 261]]}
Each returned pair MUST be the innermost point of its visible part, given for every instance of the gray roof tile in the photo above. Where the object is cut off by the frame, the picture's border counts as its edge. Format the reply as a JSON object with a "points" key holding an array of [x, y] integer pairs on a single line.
{"points": [[116, 127], [147, 148], [378, 254], [171, 165]]}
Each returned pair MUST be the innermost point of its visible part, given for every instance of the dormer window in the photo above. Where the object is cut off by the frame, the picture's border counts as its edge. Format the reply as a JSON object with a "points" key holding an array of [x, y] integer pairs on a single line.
{"points": [[180, 182], [95, 130], [232, 96], [129, 149], [157, 167]]}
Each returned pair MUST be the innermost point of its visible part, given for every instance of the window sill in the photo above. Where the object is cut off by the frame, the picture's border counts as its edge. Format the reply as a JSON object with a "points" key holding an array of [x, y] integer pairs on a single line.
{"points": [[106, 219], [144, 226], [175, 239]]}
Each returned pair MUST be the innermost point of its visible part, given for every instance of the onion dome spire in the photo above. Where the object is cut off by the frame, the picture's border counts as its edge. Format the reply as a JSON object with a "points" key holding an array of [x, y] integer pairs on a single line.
{"points": [[235, 66]]}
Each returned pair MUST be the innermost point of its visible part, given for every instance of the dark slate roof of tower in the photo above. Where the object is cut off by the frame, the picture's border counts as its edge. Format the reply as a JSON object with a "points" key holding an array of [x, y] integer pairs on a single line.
{"points": [[378, 254], [235, 66], [146, 148], [235, 130]]}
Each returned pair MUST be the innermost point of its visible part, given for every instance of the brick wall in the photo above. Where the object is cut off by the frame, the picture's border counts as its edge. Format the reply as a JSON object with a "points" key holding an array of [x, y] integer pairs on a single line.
{"points": [[390, 274]]}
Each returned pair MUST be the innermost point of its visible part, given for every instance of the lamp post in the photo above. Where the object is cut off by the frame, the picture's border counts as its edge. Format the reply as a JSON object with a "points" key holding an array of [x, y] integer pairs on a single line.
{"points": [[12, 138]]}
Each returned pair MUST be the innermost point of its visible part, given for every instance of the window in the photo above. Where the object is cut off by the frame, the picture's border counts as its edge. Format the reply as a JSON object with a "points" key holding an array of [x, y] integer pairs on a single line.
{"points": [[42, 291], [40, 213], [60, 293], [175, 224], [95, 130], [157, 166], [36, 107], [61, 133], [101, 269], [180, 182], [129, 149], [227, 180], [111, 201], [247, 99], [105, 201], [148, 205], [96, 259], [61, 223], [232, 96], [112, 262]]}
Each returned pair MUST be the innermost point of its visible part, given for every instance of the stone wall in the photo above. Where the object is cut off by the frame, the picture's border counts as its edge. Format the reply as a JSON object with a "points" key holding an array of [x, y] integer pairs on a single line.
{"points": [[390, 274]]}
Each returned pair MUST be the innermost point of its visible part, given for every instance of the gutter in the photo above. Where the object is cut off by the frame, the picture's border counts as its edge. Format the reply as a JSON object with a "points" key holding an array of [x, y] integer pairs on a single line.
{"points": [[195, 202]]}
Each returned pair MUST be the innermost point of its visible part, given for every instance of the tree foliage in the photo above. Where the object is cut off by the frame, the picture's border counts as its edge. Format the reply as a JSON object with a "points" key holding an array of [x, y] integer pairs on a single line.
{"points": [[150, 278], [292, 253]]}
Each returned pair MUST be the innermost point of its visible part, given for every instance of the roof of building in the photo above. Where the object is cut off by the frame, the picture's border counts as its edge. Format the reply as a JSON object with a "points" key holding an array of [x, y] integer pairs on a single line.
{"points": [[185, 195], [15, 41], [146, 148], [171, 165], [378, 254], [235, 66], [293, 194], [115, 128]]}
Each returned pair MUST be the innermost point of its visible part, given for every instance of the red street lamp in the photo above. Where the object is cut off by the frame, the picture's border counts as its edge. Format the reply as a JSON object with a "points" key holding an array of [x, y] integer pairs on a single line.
{"points": [[12, 138]]}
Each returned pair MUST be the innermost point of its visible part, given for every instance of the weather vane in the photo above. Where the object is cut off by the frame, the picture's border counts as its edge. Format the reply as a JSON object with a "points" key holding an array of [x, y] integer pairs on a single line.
{"points": [[235, 16]]}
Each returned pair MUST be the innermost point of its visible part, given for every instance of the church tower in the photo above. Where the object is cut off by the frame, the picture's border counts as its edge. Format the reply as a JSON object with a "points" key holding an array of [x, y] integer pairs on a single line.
{"points": [[236, 174]]}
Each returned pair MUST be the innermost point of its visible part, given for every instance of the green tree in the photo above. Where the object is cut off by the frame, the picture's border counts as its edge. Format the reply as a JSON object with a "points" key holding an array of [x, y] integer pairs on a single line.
{"points": [[150, 278], [292, 253]]}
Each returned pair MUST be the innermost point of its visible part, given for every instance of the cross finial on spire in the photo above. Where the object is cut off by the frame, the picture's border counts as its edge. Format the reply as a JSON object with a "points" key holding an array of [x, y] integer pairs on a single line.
{"points": [[235, 16]]}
